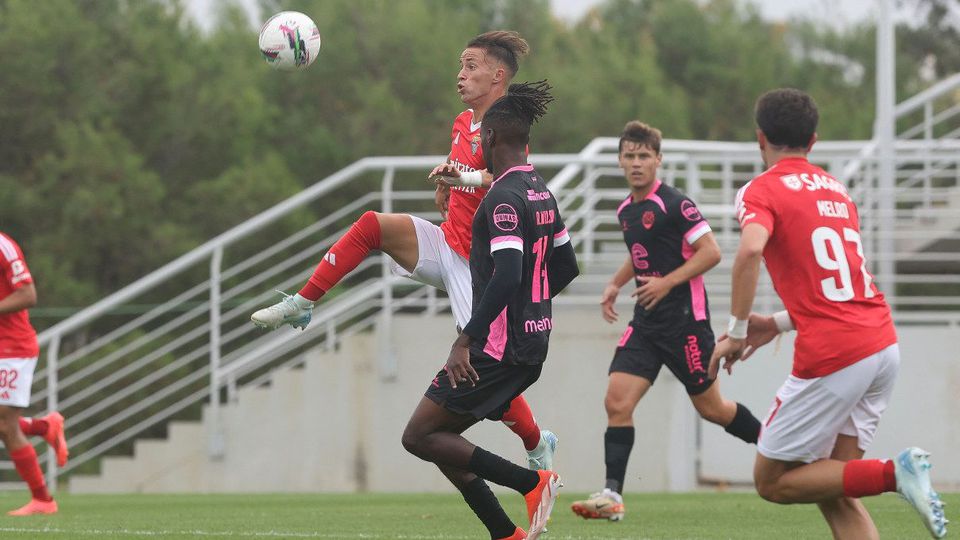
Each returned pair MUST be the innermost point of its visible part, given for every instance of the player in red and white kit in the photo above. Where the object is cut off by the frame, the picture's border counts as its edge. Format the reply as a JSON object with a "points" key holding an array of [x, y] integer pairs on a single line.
{"points": [[18, 359], [804, 225], [422, 251]]}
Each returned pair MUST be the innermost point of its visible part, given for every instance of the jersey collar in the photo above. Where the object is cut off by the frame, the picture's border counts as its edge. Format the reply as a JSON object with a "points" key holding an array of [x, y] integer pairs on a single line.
{"points": [[652, 196], [788, 161], [523, 168], [474, 127]]}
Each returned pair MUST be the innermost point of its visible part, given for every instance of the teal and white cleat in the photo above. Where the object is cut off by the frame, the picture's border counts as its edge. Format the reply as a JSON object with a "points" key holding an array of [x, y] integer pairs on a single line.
{"points": [[293, 310], [912, 469], [541, 457]]}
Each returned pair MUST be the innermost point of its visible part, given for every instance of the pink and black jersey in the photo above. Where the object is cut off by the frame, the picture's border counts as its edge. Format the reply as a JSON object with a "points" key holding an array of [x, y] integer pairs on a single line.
{"points": [[466, 155], [18, 339], [659, 232], [815, 259], [519, 212]]}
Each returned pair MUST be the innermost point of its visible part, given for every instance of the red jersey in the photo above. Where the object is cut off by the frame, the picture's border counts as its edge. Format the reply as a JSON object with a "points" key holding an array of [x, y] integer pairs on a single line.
{"points": [[17, 338], [466, 155], [815, 259]]}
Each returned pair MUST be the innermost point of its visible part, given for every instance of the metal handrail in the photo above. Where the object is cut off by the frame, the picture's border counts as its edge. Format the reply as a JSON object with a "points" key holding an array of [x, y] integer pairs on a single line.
{"points": [[208, 326]]}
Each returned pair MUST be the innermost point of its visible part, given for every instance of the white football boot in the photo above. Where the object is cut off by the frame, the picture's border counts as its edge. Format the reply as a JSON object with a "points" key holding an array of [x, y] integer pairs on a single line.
{"points": [[293, 310]]}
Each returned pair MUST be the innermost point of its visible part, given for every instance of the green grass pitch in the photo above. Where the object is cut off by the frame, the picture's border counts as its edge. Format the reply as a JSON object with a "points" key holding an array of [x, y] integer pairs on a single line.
{"points": [[428, 517]]}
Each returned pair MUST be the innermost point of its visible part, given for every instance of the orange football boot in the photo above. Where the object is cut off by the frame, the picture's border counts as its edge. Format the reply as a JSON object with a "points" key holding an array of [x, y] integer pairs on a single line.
{"points": [[34, 507], [55, 437], [540, 502]]}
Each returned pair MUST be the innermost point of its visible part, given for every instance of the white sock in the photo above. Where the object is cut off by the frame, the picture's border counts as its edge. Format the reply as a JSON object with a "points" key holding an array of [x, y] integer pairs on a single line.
{"points": [[304, 303]]}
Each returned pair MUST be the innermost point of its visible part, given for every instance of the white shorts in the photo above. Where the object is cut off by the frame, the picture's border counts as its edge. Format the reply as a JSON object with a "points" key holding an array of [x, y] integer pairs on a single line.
{"points": [[441, 267], [16, 378], [808, 414]]}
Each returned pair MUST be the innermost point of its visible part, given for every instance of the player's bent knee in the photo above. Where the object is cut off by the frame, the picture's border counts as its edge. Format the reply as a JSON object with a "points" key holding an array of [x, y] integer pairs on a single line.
{"points": [[618, 407], [713, 415], [412, 442], [771, 492]]}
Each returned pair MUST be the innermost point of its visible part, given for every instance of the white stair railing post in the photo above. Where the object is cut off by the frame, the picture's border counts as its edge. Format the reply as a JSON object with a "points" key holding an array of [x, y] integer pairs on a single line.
{"points": [[927, 165], [216, 447], [388, 360], [53, 357]]}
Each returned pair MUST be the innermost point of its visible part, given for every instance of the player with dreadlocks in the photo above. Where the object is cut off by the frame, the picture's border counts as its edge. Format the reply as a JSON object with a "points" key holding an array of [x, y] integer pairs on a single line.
{"points": [[430, 254], [518, 232]]}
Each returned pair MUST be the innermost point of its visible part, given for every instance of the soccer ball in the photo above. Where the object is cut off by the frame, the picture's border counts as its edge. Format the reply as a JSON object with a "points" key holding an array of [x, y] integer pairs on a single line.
{"points": [[289, 40]]}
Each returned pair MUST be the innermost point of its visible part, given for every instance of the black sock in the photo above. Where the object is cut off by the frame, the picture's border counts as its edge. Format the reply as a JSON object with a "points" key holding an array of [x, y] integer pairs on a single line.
{"points": [[486, 506], [500, 471], [617, 443], [745, 425]]}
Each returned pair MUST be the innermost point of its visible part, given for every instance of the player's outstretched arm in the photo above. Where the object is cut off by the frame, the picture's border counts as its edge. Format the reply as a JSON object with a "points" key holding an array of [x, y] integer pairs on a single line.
{"points": [[449, 175], [761, 329], [746, 272], [562, 268]]}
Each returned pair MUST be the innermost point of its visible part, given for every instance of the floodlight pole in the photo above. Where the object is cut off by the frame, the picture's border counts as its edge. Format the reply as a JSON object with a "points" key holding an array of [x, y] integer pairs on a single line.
{"points": [[885, 134]]}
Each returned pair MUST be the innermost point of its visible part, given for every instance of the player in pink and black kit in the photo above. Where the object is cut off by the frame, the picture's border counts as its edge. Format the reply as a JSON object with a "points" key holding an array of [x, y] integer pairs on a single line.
{"points": [[520, 258], [18, 359], [420, 250], [804, 225], [670, 247]]}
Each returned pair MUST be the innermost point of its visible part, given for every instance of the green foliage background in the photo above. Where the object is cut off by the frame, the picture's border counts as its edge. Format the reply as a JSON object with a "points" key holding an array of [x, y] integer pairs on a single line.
{"points": [[128, 135]]}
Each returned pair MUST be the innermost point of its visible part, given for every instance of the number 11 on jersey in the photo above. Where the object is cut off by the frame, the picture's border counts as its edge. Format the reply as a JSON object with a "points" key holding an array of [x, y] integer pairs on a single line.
{"points": [[541, 285]]}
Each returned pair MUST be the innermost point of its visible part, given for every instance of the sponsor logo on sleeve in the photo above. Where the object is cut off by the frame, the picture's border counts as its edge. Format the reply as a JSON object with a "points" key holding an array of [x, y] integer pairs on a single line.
{"points": [[505, 217], [690, 211]]}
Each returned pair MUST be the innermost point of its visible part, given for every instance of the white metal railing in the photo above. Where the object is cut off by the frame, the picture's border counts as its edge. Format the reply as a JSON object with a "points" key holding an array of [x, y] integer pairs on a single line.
{"points": [[115, 375]]}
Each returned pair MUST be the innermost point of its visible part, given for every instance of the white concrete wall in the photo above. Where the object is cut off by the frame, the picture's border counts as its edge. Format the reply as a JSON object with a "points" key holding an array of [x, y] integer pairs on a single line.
{"points": [[335, 425]]}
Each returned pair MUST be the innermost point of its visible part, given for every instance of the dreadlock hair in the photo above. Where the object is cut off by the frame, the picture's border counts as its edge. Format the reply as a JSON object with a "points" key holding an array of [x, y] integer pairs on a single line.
{"points": [[512, 115], [505, 45]]}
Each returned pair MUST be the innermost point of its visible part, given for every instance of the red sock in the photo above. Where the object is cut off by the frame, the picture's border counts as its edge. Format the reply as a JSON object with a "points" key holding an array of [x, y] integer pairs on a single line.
{"points": [[519, 418], [33, 426], [863, 477], [344, 256], [25, 460]]}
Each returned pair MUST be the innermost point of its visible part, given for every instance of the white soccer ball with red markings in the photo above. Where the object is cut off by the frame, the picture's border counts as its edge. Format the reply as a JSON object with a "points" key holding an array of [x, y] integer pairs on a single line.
{"points": [[289, 41]]}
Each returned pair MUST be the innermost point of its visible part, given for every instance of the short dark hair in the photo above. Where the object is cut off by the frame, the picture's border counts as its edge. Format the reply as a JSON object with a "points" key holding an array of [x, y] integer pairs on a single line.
{"points": [[637, 132], [512, 115], [787, 117], [505, 45]]}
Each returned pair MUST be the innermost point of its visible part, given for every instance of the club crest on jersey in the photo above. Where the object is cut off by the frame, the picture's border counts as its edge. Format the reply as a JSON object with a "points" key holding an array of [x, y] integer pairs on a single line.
{"points": [[690, 211], [792, 182], [647, 220], [639, 253], [475, 144], [505, 217]]}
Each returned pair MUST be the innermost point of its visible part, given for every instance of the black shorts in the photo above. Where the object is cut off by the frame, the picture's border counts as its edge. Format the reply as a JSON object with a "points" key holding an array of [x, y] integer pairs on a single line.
{"points": [[686, 354], [499, 383]]}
